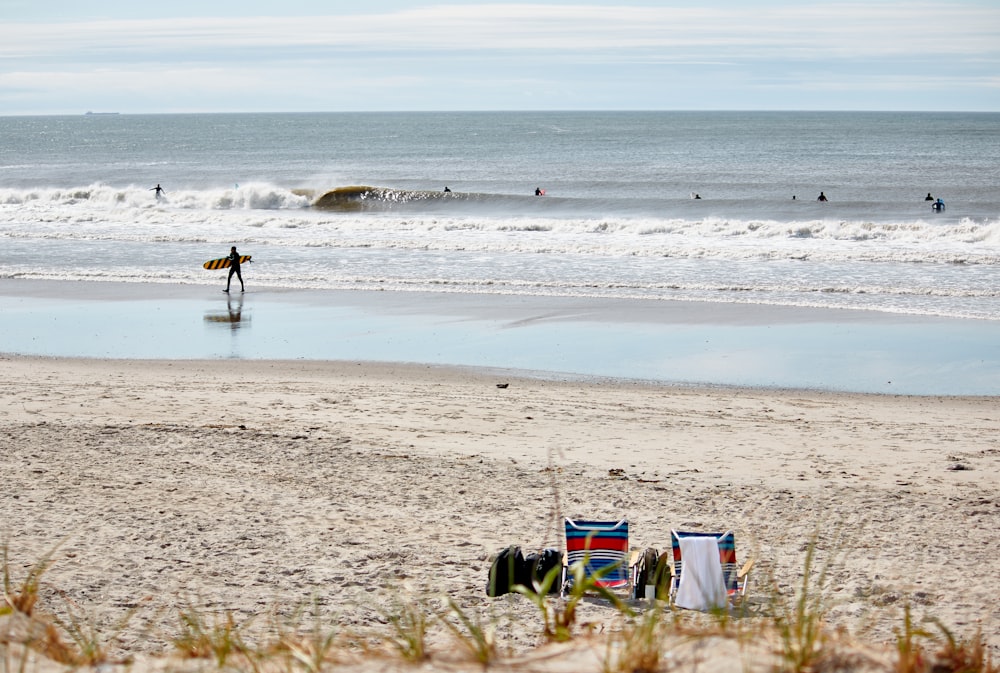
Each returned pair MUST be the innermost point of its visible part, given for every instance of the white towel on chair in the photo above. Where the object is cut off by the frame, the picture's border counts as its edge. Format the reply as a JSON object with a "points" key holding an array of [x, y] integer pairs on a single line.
{"points": [[702, 584]]}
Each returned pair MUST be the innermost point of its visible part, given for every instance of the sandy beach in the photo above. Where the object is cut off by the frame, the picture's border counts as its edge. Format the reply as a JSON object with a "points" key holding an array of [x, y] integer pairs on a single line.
{"points": [[308, 467], [261, 488]]}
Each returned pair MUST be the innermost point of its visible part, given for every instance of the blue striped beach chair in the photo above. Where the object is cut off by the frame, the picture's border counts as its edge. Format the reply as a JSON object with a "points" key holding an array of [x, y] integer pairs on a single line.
{"points": [[602, 546], [735, 577]]}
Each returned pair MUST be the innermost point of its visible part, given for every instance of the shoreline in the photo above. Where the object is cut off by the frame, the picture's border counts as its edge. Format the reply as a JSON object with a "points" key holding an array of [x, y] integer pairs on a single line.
{"points": [[467, 305], [654, 341]]}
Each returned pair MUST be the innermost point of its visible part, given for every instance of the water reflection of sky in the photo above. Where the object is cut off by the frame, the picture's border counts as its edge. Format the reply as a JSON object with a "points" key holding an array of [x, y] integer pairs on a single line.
{"points": [[906, 356]]}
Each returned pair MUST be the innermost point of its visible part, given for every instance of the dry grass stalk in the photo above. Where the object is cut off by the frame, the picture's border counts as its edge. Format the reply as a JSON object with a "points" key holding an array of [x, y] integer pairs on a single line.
{"points": [[410, 631], [478, 639], [967, 656], [638, 648], [201, 638], [22, 598], [801, 621], [315, 646]]}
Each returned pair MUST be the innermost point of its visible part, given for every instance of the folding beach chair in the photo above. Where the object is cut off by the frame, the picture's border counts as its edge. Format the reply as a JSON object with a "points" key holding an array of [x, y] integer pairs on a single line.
{"points": [[602, 546], [733, 581]]}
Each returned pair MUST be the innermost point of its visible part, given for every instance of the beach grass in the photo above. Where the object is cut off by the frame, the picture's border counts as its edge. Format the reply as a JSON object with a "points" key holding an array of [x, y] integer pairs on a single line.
{"points": [[800, 619], [313, 647], [789, 633], [93, 643], [410, 622], [476, 635], [203, 635], [22, 597], [559, 616], [963, 655], [639, 645]]}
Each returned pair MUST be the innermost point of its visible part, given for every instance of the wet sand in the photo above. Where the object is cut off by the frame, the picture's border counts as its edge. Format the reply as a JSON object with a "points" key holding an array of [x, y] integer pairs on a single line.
{"points": [[658, 341]]}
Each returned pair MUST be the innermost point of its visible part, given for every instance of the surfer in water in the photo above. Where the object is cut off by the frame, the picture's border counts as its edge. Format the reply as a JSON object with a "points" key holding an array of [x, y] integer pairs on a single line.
{"points": [[158, 189], [234, 267], [821, 197]]}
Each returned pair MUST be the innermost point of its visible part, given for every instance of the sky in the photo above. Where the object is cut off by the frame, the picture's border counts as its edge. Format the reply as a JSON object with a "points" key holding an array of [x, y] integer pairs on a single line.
{"points": [[69, 57]]}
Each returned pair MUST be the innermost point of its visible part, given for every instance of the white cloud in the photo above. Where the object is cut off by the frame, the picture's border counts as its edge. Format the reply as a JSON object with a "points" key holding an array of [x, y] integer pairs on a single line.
{"points": [[831, 29], [478, 56]]}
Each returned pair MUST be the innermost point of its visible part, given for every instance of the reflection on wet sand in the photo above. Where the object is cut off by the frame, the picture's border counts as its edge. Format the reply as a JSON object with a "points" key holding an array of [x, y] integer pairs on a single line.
{"points": [[233, 315]]}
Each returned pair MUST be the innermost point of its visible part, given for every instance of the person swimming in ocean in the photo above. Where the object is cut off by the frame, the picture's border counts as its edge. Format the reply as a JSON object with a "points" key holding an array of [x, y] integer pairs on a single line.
{"points": [[938, 206], [158, 189], [821, 197], [928, 197]]}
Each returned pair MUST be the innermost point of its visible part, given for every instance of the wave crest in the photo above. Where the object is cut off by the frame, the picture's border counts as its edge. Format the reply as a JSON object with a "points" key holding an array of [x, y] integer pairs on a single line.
{"points": [[254, 196]]}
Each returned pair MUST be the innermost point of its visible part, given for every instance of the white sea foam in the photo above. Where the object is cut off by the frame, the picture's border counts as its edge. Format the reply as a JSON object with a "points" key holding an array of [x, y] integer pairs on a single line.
{"points": [[617, 219], [271, 216]]}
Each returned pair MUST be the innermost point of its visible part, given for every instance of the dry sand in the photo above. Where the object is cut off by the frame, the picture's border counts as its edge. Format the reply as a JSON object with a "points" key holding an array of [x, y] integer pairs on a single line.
{"points": [[259, 487]]}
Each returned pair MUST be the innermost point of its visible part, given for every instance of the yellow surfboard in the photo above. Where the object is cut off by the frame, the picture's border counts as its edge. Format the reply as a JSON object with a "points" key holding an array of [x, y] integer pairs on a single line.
{"points": [[223, 262]]}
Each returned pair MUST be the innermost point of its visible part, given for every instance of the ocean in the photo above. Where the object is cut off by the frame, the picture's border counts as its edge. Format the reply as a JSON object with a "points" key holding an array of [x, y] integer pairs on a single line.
{"points": [[680, 247], [619, 217]]}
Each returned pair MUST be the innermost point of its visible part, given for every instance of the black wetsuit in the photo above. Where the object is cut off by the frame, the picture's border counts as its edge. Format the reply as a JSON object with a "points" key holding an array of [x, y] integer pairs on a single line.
{"points": [[234, 268]]}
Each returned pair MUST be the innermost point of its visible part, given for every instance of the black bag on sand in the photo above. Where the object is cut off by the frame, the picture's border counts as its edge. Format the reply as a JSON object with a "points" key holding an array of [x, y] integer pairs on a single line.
{"points": [[508, 569], [645, 572], [540, 564]]}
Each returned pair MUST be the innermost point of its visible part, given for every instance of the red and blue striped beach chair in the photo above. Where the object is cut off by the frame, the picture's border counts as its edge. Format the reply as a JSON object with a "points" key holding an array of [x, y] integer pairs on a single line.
{"points": [[602, 546], [735, 578]]}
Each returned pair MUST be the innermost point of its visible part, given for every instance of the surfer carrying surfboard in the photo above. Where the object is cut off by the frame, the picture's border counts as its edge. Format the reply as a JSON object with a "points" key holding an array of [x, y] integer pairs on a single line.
{"points": [[234, 267]]}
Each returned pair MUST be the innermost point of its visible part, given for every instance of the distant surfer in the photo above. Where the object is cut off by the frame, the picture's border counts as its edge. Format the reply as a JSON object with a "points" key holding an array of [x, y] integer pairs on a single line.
{"points": [[938, 206], [158, 189], [928, 197], [696, 196], [234, 267], [821, 197], [447, 191], [539, 191]]}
